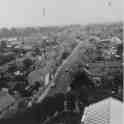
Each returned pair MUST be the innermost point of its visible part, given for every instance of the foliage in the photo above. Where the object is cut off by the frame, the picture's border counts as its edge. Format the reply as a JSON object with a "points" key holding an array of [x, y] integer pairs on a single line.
{"points": [[27, 63]]}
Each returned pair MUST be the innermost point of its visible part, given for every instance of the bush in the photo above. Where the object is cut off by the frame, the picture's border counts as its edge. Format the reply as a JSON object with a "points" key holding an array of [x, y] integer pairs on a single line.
{"points": [[27, 63], [65, 54]]}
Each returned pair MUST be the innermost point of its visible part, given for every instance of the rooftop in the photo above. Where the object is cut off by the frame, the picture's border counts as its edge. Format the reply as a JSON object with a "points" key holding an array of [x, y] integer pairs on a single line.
{"points": [[107, 111]]}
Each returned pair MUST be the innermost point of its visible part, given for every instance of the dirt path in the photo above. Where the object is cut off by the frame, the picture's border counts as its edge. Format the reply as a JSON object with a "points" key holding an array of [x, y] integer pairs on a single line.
{"points": [[44, 94]]}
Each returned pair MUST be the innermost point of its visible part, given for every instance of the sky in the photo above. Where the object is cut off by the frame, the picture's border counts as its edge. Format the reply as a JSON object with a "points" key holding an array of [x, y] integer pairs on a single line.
{"points": [[18, 13]]}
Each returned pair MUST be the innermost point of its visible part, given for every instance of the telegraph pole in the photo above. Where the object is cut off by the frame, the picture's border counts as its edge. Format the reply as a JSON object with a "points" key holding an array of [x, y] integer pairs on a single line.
{"points": [[44, 11]]}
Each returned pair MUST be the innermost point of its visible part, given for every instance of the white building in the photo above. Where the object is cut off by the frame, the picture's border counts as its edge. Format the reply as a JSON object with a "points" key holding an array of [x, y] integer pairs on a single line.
{"points": [[108, 111]]}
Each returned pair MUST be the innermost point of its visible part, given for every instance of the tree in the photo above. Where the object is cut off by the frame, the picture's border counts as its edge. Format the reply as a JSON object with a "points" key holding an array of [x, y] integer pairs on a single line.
{"points": [[4, 32], [37, 50], [13, 32], [3, 43], [27, 63], [65, 54], [12, 68], [59, 99], [120, 50]]}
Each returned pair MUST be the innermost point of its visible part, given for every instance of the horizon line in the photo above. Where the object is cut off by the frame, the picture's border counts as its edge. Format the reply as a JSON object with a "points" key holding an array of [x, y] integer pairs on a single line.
{"points": [[61, 25]]}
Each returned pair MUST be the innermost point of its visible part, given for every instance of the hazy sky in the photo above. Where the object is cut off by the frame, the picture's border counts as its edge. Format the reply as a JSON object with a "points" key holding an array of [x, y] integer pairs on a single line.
{"points": [[58, 12]]}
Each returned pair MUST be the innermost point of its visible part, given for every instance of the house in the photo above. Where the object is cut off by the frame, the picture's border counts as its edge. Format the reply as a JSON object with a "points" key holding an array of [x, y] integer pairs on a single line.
{"points": [[107, 111], [109, 47], [35, 76], [27, 47], [38, 76], [116, 40]]}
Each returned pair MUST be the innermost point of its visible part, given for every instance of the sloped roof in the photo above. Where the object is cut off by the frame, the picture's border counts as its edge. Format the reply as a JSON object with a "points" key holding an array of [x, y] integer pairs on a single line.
{"points": [[116, 40], [108, 111], [34, 76], [37, 75]]}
